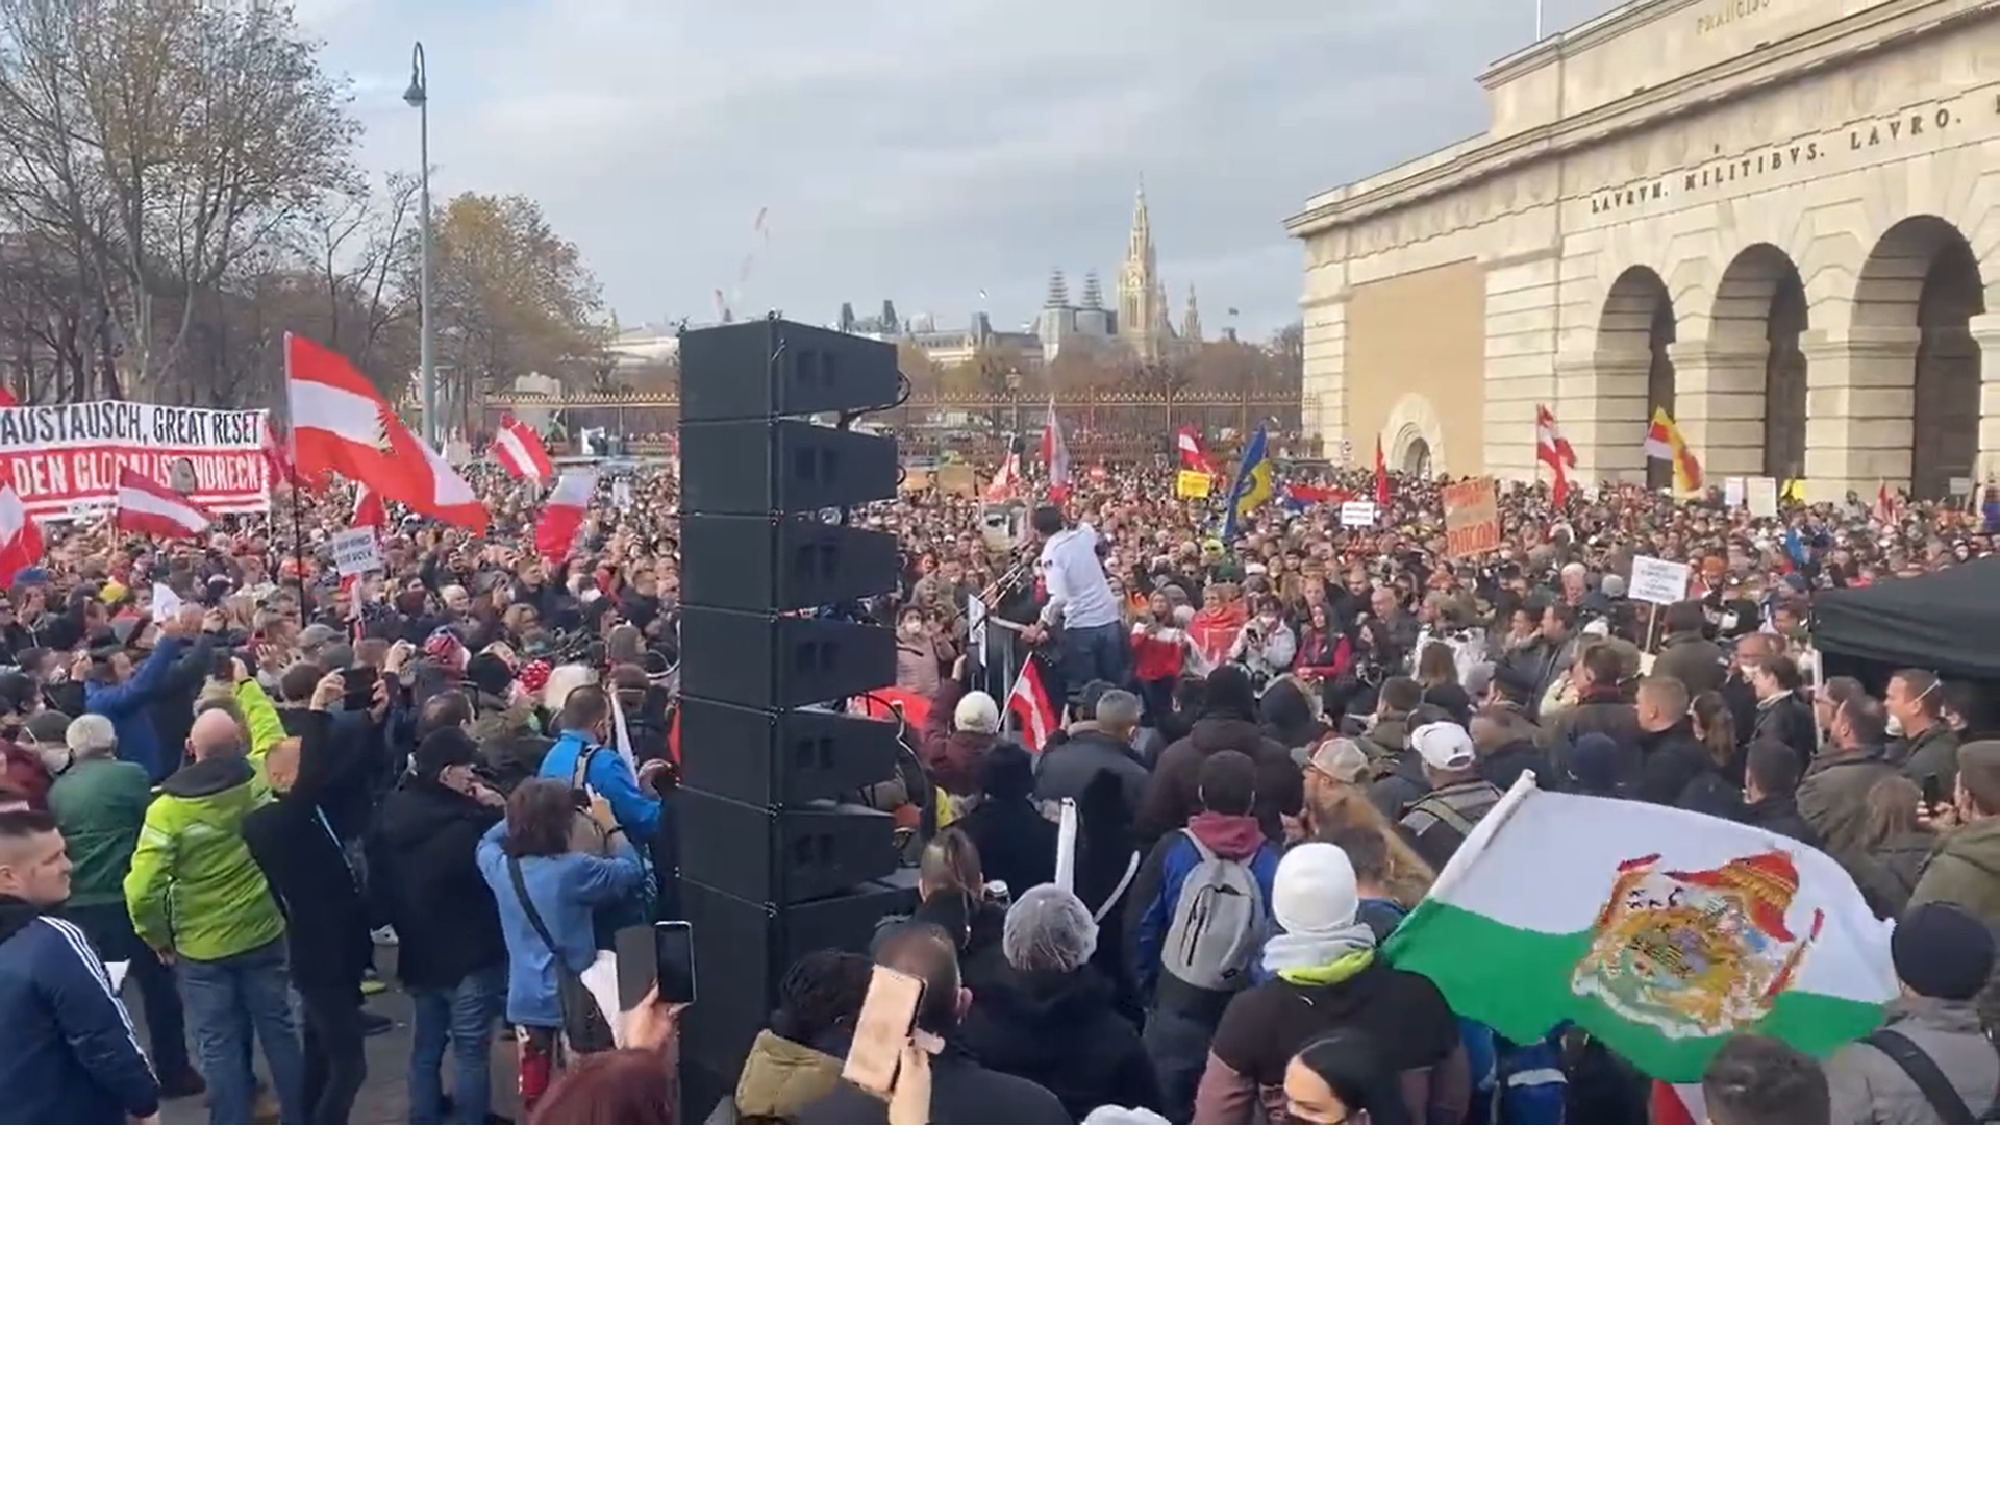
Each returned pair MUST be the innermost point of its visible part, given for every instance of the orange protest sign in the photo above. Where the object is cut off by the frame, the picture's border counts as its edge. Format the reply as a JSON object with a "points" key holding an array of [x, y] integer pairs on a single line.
{"points": [[1471, 518]]}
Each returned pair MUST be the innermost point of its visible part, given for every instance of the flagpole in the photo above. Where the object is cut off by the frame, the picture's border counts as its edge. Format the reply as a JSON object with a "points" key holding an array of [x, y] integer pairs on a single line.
{"points": [[299, 559], [1538, 20]]}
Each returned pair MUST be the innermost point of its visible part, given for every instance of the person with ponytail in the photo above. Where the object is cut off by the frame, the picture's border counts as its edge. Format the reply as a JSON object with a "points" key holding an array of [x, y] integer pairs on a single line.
{"points": [[951, 895], [1713, 792]]}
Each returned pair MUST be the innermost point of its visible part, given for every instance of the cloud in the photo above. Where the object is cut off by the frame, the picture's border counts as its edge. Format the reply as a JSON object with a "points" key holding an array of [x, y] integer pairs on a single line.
{"points": [[921, 153]]}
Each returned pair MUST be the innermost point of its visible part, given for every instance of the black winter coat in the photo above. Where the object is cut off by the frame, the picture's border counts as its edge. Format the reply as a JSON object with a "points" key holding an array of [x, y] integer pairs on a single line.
{"points": [[1059, 1030], [426, 884], [1174, 793]]}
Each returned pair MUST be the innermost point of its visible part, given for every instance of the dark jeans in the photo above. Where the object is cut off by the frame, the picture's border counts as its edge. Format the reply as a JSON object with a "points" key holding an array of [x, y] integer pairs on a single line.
{"points": [[1177, 1042], [109, 928], [465, 1019], [231, 1000], [336, 1053], [1093, 654]]}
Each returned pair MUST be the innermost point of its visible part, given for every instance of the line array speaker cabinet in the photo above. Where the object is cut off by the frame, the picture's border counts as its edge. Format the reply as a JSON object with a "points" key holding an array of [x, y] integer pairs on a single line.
{"points": [[783, 563], [780, 853], [748, 371]]}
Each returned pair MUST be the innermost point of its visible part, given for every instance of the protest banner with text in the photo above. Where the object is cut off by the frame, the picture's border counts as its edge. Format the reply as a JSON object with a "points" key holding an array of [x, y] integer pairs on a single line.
{"points": [[64, 460], [1471, 518]]}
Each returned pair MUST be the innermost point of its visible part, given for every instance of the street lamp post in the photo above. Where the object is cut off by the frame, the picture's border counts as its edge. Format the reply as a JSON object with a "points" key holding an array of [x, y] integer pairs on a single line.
{"points": [[1014, 390], [418, 97]]}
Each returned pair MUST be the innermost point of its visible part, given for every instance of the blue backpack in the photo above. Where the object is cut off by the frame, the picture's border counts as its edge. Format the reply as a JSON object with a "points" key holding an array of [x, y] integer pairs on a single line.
{"points": [[1515, 1084]]}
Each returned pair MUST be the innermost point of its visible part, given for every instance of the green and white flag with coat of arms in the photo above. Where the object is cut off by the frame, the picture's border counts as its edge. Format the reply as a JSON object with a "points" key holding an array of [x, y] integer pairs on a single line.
{"points": [[1658, 931]]}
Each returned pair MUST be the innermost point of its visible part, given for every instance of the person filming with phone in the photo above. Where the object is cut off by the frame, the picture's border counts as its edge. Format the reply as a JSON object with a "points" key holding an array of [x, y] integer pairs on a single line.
{"points": [[924, 1018], [548, 897]]}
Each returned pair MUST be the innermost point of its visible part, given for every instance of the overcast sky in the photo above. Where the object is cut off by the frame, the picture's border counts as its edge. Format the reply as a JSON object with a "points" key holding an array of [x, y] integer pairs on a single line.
{"points": [[922, 150]]}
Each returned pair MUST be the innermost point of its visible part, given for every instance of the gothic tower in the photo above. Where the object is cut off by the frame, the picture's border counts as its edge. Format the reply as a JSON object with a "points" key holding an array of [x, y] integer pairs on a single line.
{"points": [[1191, 320], [1141, 311]]}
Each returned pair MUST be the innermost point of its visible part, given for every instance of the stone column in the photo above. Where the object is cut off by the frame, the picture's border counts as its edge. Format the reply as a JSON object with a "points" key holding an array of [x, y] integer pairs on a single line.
{"points": [[1323, 387], [1985, 331], [1719, 399], [1603, 412], [1861, 403], [1521, 318]]}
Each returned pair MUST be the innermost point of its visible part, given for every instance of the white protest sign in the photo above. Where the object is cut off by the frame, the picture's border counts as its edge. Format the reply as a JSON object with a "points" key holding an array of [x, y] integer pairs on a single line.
{"points": [[1733, 493], [1656, 581], [1357, 513], [355, 552], [1762, 493], [166, 604]]}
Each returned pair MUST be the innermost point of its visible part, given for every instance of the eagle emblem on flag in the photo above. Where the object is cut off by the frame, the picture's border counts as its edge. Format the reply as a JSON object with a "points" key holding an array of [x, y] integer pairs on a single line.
{"points": [[1696, 954]]}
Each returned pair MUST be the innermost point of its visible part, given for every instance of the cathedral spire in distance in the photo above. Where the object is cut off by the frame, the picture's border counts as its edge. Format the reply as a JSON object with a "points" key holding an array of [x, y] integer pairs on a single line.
{"points": [[1058, 290], [1141, 244]]}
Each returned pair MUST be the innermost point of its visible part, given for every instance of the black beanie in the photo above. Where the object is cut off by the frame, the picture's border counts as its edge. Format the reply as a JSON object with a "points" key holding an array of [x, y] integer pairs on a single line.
{"points": [[1943, 952], [443, 748]]}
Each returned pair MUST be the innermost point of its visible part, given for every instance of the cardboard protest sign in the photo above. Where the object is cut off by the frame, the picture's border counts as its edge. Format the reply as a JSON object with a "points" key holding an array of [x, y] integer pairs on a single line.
{"points": [[1471, 518], [65, 460], [355, 552], [1192, 484], [1657, 581]]}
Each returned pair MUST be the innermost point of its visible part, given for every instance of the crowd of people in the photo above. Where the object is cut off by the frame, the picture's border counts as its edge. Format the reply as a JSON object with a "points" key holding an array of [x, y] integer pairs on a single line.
{"points": [[253, 793]]}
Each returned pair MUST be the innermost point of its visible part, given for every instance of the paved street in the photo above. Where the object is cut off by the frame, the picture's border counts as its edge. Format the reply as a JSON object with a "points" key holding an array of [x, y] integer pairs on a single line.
{"points": [[385, 1097]]}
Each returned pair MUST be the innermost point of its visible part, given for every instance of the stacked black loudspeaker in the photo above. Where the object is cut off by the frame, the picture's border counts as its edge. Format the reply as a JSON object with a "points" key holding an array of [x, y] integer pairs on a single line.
{"points": [[774, 865]]}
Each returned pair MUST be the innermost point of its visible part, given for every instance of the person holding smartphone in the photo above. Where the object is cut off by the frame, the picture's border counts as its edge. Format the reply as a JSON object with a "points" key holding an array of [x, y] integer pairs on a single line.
{"points": [[548, 897], [960, 1091]]}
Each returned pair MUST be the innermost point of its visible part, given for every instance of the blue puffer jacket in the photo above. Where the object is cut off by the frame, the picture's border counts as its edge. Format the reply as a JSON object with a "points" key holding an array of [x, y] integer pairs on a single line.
{"points": [[68, 1055]]}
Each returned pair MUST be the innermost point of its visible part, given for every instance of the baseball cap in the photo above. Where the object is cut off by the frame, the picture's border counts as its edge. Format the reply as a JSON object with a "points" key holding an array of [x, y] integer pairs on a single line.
{"points": [[1443, 747], [977, 713], [1342, 760]]}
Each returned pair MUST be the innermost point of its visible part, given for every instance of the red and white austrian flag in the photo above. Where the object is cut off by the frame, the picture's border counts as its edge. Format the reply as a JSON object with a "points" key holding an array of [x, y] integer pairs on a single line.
{"points": [[1188, 443], [341, 426], [1553, 449], [20, 537], [1029, 702], [562, 513], [150, 508], [1055, 455], [517, 450]]}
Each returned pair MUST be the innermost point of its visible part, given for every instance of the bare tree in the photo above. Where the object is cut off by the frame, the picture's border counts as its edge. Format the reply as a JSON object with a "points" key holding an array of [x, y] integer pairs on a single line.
{"points": [[513, 297], [161, 141]]}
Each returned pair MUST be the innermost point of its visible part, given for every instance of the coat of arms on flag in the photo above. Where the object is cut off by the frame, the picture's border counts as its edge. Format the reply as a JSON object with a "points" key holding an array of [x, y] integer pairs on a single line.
{"points": [[1696, 953]]}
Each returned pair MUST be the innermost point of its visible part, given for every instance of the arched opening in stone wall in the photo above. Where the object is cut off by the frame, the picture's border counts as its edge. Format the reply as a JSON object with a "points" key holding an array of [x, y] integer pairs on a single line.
{"points": [[1635, 372], [1923, 278], [1758, 420], [1416, 459]]}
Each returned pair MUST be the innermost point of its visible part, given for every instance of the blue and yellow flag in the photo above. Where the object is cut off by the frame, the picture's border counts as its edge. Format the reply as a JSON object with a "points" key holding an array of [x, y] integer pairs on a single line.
{"points": [[1252, 487]]}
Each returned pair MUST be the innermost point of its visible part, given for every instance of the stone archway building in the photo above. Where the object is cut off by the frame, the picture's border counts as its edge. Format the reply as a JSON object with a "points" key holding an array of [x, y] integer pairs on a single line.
{"points": [[1780, 219]]}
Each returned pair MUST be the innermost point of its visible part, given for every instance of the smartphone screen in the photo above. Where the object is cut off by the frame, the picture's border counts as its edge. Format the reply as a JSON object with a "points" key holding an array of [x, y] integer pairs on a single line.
{"points": [[360, 687], [888, 1016], [1933, 791], [673, 962]]}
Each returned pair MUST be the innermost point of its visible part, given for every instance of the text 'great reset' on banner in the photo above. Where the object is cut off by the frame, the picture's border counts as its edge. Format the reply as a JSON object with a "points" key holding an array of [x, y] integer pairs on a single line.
{"points": [[65, 459]]}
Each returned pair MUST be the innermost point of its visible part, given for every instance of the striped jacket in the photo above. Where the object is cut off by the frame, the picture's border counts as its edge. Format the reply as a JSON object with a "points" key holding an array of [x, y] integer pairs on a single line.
{"points": [[68, 1055]]}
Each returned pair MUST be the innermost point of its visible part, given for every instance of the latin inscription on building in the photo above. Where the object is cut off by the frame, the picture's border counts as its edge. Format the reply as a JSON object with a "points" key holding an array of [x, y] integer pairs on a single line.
{"points": [[1769, 165], [1727, 12]]}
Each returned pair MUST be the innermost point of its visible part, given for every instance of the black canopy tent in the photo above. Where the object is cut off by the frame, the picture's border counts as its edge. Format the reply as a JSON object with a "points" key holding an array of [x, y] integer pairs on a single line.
{"points": [[1946, 622]]}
